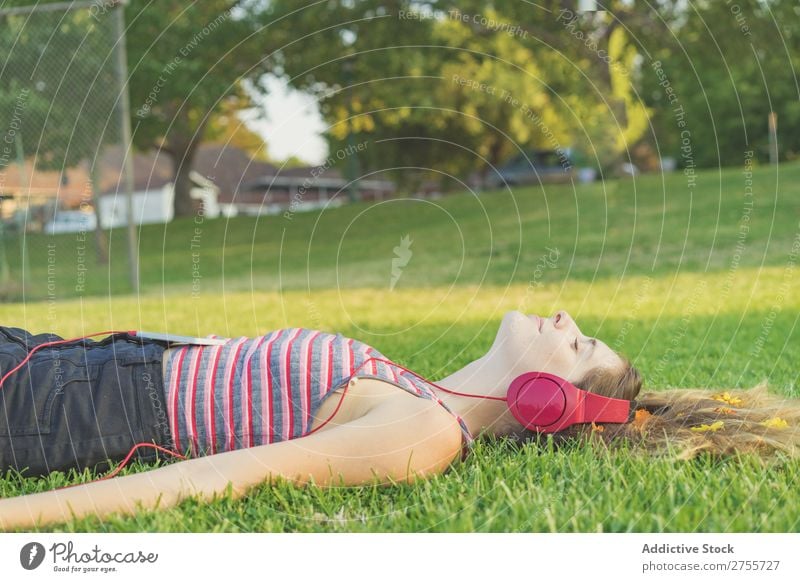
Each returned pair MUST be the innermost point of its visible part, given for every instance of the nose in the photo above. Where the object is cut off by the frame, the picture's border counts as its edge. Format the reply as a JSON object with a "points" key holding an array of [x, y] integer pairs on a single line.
{"points": [[562, 320]]}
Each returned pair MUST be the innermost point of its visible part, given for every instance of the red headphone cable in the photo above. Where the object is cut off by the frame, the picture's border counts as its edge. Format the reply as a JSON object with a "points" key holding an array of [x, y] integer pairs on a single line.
{"points": [[182, 457], [390, 363], [66, 341]]}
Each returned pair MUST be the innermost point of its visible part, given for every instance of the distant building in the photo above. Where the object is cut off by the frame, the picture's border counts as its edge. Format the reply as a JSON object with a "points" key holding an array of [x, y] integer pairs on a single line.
{"points": [[307, 188], [254, 187], [153, 204], [31, 196], [153, 190], [34, 197], [226, 181]]}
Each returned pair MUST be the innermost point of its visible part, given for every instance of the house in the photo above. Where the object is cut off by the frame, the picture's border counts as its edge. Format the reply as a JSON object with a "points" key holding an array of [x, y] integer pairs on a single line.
{"points": [[153, 190], [35, 196], [231, 170], [307, 188], [31, 196], [153, 203], [256, 187]]}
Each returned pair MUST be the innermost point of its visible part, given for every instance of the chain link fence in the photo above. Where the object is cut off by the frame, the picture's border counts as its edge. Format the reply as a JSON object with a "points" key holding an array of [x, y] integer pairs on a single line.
{"points": [[64, 158]]}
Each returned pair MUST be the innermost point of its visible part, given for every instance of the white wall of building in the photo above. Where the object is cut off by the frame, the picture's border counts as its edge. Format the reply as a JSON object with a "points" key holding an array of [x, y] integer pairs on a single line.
{"points": [[155, 206], [149, 207]]}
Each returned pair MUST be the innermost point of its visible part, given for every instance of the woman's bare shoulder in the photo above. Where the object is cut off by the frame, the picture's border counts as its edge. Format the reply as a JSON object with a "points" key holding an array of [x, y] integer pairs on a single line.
{"points": [[398, 410], [423, 417]]}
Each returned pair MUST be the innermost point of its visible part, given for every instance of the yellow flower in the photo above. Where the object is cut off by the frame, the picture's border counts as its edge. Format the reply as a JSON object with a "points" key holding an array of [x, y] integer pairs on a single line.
{"points": [[724, 410], [713, 427], [641, 418], [775, 422], [597, 428], [727, 398]]}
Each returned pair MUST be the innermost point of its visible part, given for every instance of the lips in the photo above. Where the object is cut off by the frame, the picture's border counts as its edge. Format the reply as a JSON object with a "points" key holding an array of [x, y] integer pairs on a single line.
{"points": [[538, 321]]}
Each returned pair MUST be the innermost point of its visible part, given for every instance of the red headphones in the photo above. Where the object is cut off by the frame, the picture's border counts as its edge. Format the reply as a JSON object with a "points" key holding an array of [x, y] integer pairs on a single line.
{"points": [[547, 403]]}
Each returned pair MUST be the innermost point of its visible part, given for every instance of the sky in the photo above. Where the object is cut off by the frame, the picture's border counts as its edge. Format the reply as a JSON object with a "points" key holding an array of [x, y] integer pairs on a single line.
{"points": [[291, 124]]}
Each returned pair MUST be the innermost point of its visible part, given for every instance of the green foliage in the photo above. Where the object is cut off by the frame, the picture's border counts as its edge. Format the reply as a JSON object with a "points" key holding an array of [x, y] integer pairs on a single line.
{"points": [[186, 63], [183, 60], [729, 64], [588, 79], [623, 53], [56, 71], [458, 86]]}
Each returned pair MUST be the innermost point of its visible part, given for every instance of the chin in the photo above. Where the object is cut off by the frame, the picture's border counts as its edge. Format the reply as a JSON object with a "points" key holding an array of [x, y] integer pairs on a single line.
{"points": [[517, 318], [516, 331]]}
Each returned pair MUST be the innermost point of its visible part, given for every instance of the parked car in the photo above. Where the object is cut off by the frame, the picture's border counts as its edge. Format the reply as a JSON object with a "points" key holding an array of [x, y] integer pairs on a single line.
{"points": [[71, 221], [533, 167]]}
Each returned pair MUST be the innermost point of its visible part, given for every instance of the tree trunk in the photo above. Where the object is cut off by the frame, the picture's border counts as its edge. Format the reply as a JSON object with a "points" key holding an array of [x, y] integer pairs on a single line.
{"points": [[183, 184], [493, 162], [182, 150]]}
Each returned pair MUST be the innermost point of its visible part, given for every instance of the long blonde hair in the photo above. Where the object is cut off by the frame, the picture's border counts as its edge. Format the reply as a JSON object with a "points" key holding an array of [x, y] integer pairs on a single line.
{"points": [[685, 423]]}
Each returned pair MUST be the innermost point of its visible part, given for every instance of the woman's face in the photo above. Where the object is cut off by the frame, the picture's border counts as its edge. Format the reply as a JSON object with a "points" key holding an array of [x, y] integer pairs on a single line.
{"points": [[533, 343]]}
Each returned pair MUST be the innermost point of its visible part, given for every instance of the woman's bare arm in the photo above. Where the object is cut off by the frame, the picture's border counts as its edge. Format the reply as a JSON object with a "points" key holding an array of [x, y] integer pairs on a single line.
{"points": [[398, 440]]}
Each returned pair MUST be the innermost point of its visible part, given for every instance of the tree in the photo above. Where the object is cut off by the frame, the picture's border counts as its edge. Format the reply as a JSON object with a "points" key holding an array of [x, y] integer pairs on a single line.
{"points": [[185, 61], [54, 65], [729, 65], [444, 84], [226, 127]]}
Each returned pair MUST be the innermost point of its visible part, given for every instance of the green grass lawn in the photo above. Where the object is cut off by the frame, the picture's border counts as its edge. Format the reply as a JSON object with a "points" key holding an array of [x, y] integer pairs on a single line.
{"points": [[652, 269], [654, 226]]}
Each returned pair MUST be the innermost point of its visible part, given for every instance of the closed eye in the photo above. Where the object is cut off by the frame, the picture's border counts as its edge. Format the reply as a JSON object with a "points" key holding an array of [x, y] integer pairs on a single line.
{"points": [[576, 344]]}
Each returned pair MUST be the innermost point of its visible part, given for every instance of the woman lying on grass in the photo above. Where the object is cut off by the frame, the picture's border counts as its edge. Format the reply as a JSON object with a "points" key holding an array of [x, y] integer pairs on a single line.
{"points": [[305, 405]]}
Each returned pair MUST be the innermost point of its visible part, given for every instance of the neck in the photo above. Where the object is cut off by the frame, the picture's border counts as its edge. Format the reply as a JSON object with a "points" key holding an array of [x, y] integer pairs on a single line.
{"points": [[484, 377]]}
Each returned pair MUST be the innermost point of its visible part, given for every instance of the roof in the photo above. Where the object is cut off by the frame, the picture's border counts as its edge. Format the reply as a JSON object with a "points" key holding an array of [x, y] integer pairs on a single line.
{"points": [[229, 167], [151, 170]]}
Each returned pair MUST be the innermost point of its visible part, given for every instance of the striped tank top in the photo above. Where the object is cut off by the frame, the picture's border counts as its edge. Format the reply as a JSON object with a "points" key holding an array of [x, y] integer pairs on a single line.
{"points": [[267, 389]]}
